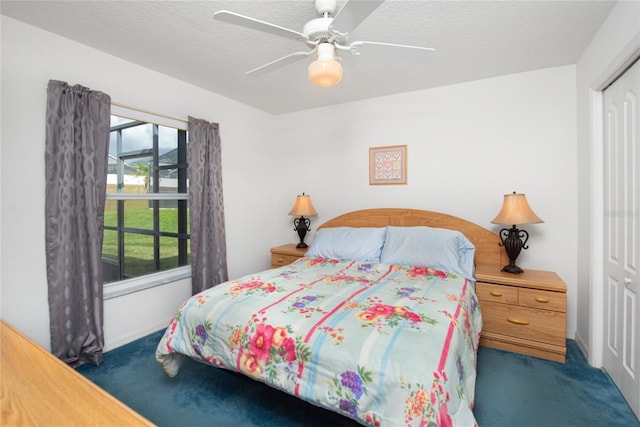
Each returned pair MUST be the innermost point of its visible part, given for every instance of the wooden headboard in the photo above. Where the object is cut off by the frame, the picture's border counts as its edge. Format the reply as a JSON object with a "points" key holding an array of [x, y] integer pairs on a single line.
{"points": [[487, 246]]}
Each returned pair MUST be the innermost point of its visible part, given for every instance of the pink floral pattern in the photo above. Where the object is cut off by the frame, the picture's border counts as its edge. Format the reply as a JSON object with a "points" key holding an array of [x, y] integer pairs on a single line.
{"points": [[250, 287], [423, 408], [381, 317], [336, 334], [424, 272], [266, 350]]}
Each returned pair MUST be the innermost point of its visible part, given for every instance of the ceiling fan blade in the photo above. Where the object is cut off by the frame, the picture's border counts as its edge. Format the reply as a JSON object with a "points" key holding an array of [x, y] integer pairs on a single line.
{"points": [[256, 24], [280, 62], [352, 14], [391, 50]]}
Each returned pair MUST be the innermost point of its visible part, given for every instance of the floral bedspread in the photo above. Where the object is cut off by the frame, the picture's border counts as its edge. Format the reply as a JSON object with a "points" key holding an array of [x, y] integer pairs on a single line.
{"points": [[386, 345]]}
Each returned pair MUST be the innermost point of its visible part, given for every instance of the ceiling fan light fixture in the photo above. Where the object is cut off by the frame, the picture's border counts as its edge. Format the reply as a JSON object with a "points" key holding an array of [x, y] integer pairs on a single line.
{"points": [[326, 71]]}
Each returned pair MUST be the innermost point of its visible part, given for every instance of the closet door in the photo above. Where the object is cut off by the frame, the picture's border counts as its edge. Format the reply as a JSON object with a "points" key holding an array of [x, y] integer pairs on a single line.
{"points": [[622, 234]]}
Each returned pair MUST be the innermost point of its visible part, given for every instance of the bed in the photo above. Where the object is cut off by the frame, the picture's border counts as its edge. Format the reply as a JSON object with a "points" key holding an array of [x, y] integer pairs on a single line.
{"points": [[379, 321]]}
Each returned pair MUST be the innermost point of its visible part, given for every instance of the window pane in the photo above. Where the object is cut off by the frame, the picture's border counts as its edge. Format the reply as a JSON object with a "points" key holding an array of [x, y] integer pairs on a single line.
{"points": [[138, 255], [169, 180], [137, 138], [136, 175], [110, 268], [112, 183], [113, 153], [168, 253], [138, 214], [116, 120], [169, 216], [110, 245], [167, 143], [112, 170], [111, 213]]}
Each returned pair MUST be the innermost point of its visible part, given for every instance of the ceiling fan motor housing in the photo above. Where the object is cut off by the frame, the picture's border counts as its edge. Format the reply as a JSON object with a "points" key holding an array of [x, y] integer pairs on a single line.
{"points": [[317, 30]]}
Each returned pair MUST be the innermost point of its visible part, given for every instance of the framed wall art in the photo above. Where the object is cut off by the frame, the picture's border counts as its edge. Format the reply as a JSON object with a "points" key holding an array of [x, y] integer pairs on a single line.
{"points": [[388, 165]]}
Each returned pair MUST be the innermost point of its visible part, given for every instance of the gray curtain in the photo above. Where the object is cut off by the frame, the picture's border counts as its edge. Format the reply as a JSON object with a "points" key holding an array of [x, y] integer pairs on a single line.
{"points": [[208, 239], [76, 159]]}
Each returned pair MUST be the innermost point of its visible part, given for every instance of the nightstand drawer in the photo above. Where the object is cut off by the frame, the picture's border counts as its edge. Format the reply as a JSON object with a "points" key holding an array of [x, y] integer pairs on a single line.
{"points": [[278, 260], [522, 322], [497, 293], [545, 300]]}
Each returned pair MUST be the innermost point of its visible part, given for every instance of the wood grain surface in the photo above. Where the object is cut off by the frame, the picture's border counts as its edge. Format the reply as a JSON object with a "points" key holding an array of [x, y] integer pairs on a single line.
{"points": [[38, 389]]}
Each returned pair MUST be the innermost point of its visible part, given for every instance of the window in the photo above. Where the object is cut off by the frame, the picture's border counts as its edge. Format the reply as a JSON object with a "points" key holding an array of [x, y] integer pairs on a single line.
{"points": [[146, 226]]}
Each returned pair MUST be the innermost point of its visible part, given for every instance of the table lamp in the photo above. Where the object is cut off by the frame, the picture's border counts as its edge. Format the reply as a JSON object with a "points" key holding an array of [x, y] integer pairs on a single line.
{"points": [[302, 207], [515, 211]]}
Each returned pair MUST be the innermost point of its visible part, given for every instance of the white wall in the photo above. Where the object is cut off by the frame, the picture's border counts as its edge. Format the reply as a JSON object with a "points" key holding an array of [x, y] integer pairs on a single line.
{"points": [[468, 144], [615, 42]]}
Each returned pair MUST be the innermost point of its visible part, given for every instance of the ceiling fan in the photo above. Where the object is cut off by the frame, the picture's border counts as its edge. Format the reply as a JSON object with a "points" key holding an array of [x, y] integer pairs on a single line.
{"points": [[326, 35]]}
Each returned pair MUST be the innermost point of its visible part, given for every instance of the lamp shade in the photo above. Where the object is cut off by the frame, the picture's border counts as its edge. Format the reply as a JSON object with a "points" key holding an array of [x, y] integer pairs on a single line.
{"points": [[303, 206], [325, 71], [516, 210]]}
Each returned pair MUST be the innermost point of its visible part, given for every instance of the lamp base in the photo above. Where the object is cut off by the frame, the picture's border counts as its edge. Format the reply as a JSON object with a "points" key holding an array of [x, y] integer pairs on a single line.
{"points": [[512, 241], [302, 226], [512, 268]]}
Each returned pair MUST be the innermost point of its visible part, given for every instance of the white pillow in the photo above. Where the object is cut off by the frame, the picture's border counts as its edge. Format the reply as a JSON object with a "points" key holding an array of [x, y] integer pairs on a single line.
{"points": [[436, 248], [358, 244]]}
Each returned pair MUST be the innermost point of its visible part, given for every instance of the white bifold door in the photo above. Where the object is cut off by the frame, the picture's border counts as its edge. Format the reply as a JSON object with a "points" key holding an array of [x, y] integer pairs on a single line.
{"points": [[622, 234]]}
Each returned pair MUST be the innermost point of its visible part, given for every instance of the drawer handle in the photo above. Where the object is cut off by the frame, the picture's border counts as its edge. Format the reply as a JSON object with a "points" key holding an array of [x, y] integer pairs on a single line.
{"points": [[280, 259], [495, 293], [517, 321], [543, 300]]}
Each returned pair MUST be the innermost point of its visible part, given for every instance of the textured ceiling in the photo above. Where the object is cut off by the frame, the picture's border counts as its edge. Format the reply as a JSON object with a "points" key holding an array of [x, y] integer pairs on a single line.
{"points": [[473, 39]]}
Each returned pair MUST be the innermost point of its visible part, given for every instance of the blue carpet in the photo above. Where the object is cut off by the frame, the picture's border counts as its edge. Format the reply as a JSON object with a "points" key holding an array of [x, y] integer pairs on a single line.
{"points": [[517, 390], [511, 390]]}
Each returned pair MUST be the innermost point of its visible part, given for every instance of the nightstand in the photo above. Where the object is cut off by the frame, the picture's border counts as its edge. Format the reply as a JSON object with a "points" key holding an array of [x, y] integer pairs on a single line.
{"points": [[524, 313], [286, 254]]}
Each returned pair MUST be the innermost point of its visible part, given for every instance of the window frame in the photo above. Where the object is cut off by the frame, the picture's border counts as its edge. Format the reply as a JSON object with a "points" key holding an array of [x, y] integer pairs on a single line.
{"points": [[122, 287]]}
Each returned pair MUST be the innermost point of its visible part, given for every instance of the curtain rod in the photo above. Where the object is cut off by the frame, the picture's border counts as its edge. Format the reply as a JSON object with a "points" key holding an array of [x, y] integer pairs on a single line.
{"points": [[117, 104]]}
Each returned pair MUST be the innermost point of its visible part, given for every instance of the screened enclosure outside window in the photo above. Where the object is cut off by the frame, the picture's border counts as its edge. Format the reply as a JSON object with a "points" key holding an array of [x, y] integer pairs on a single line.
{"points": [[146, 224]]}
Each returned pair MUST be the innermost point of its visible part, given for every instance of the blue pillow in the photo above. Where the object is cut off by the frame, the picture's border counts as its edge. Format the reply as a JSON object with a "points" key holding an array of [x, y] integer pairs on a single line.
{"points": [[436, 248], [358, 244]]}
